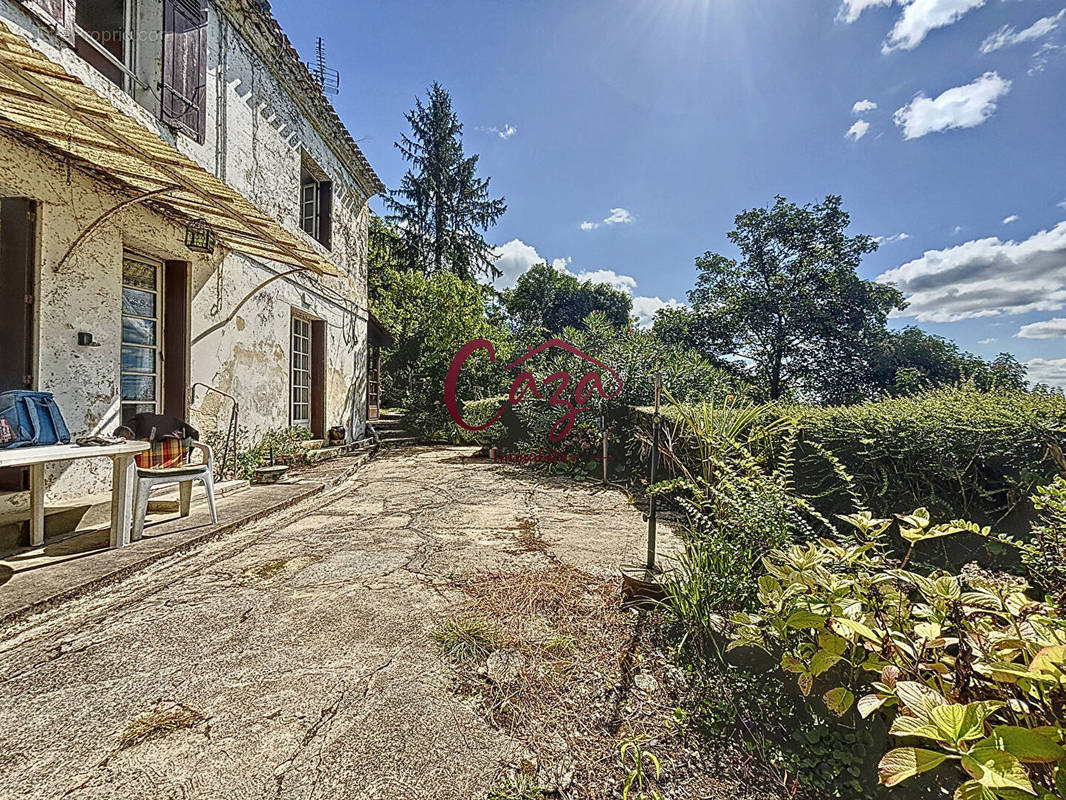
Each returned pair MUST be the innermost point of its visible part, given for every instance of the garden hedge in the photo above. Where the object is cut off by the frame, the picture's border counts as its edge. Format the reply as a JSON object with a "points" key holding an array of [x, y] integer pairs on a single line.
{"points": [[958, 452]]}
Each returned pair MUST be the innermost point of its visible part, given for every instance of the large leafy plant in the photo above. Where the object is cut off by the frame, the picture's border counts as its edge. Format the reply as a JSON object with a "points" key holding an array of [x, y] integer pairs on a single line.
{"points": [[967, 668]]}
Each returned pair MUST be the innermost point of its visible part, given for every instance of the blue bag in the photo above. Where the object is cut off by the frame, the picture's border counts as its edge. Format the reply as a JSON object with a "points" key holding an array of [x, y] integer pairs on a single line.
{"points": [[30, 418]]}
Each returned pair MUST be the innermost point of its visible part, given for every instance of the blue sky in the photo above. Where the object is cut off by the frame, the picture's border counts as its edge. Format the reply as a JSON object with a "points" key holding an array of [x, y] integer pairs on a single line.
{"points": [[626, 135]]}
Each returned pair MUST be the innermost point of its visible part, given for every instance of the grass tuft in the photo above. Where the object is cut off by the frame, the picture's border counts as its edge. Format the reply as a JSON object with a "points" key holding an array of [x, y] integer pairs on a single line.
{"points": [[158, 723], [515, 787], [465, 639]]}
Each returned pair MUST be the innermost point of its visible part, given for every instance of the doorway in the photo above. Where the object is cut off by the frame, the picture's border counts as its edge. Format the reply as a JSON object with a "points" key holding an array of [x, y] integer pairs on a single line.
{"points": [[18, 259], [307, 375], [154, 368], [373, 383]]}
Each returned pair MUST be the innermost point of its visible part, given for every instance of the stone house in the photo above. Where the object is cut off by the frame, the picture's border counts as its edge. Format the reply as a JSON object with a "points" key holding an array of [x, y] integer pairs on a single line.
{"points": [[132, 133]]}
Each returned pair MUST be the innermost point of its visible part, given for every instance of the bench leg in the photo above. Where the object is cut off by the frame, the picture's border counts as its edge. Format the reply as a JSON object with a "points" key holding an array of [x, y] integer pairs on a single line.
{"points": [[36, 505], [123, 479]]}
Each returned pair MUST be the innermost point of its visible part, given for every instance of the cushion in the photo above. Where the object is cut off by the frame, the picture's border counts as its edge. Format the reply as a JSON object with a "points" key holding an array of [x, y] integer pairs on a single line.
{"points": [[188, 469], [164, 454]]}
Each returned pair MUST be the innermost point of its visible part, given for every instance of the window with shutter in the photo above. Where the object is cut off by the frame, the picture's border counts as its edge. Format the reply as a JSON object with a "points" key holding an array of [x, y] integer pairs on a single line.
{"points": [[316, 202], [57, 14], [185, 66], [103, 35]]}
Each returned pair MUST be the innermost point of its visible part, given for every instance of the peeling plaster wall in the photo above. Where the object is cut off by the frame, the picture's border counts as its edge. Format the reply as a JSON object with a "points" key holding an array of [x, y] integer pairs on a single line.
{"points": [[240, 333]]}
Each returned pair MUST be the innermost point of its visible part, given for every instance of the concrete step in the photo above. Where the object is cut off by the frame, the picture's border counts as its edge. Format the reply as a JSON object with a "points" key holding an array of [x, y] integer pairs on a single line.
{"points": [[400, 441], [352, 448], [397, 433]]}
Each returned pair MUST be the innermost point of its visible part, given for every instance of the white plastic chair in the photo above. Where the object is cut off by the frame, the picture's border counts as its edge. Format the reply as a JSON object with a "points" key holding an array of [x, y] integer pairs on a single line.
{"points": [[184, 475]]}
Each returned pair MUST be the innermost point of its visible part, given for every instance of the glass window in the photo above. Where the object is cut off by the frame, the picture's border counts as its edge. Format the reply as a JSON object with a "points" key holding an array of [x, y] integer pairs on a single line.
{"points": [[138, 303], [139, 367], [301, 372], [138, 359]]}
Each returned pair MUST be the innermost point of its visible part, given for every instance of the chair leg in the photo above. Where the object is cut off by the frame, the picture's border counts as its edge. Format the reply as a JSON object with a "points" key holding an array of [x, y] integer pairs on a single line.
{"points": [[184, 498], [209, 489], [140, 508]]}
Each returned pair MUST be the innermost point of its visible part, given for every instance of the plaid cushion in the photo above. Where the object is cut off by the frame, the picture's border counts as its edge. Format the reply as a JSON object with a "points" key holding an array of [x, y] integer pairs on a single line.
{"points": [[164, 454]]}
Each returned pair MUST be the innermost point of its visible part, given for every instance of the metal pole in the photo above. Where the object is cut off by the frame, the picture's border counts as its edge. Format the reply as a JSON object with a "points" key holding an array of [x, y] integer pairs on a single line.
{"points": [[603, 439], [655, 424]]}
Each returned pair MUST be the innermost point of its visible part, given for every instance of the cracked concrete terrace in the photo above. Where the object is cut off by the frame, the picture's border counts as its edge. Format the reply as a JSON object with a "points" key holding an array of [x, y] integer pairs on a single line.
{"points": [[294, 657]]}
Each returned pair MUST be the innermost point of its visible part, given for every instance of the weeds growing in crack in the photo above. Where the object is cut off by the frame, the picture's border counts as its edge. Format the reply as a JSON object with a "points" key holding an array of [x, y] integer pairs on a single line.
{"points": [[466, 639], [515, 787], [268, 569], [158, 723], [528, 538]]}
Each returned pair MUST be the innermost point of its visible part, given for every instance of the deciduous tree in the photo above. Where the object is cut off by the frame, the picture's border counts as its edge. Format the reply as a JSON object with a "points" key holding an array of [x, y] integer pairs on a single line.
{"points": [[549, 299], [793, 306]]}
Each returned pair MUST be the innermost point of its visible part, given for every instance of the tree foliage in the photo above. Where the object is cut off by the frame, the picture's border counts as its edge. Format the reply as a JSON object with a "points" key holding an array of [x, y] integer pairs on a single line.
{"points": [[793, 306], [547, 299], [431, 318], [442, 207], [910, 361]]}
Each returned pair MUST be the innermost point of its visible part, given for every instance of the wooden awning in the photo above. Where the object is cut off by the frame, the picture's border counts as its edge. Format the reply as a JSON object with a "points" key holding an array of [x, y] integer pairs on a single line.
{"points": [[39, 99], [377, 333]]}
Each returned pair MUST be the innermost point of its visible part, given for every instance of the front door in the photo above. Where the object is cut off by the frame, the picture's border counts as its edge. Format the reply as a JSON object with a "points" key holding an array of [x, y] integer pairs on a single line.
{"points": [[141, 371], [373, 383], [18, 238]]}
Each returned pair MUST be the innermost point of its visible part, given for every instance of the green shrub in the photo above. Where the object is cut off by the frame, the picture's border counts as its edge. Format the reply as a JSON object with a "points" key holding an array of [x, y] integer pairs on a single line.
{"points": [[282, 443], [1046, 555], [958, 452], [968, 668]]}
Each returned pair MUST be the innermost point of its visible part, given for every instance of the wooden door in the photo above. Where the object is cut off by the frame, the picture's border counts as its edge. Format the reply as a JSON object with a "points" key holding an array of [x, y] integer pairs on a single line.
{"points": [[373, 383], [18, 239]]}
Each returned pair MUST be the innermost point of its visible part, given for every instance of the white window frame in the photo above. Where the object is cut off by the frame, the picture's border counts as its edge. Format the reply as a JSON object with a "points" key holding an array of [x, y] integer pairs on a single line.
{"points": [[157, 348], [129, 48], [300, 371], [310, 208]]}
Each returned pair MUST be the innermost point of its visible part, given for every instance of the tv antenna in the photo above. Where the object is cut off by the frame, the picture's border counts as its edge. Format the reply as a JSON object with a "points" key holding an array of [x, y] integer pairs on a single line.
{"points": [[328, 80]]}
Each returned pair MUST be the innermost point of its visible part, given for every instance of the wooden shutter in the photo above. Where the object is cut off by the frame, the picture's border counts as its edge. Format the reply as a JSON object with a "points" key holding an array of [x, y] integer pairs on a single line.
{"points": [[325, 214], [57, 14], [185, 66]]}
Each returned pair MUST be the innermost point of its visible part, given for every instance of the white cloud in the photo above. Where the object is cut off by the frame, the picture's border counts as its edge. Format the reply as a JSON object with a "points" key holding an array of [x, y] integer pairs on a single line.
{"points": [[985, 278], [1062, 205], [512, 259], [956, 230], [623, 283], [1054, 328], [1051, 371], [506, 132], [618, 216], [851, 10], [988, 341], [858, 130], [1010, 219], [919, 17], [899, 237], [960, 107], [644, 309], [863, 105], [1007, 35], [1042, 56]]}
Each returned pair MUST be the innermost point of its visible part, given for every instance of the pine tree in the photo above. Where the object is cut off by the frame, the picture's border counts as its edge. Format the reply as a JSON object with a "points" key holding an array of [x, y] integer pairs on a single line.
{"points": [[442, 207]]}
